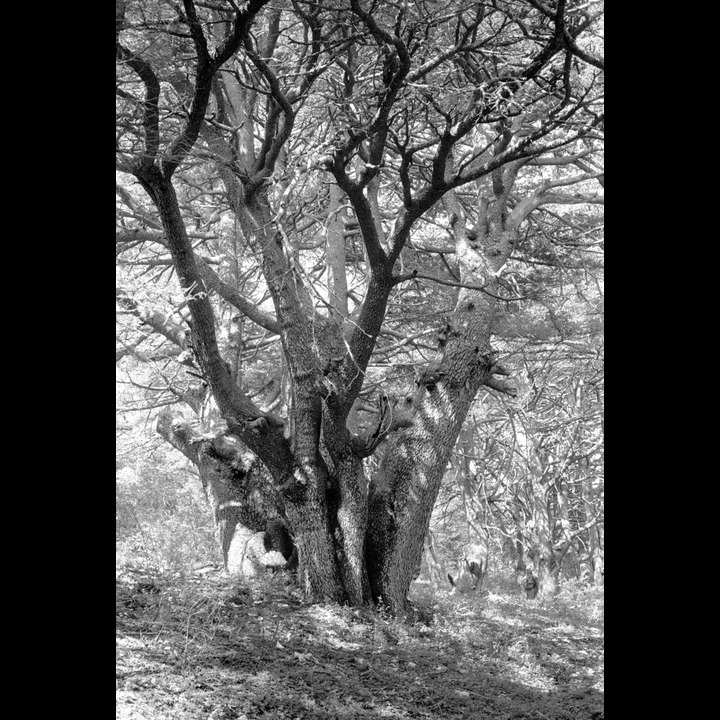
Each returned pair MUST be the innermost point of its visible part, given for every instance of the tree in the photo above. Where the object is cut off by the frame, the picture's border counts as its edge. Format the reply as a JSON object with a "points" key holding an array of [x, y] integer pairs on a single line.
{"points": [[305, 167], [526, 477]]}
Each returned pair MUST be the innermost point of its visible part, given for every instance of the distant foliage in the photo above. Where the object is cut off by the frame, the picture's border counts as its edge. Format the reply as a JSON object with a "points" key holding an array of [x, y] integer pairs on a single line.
{"points": [[162, 521]]}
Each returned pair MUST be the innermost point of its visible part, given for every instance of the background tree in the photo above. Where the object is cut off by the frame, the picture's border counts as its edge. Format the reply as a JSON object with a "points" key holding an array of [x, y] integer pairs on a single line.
{"points": [[300, 180]]}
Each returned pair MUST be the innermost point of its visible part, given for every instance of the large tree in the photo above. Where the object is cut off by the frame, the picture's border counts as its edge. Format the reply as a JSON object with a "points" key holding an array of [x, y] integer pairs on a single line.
{"points": [[307, 170]]}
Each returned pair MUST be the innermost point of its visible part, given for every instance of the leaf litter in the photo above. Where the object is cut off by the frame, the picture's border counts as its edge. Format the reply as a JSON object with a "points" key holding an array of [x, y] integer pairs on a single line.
{"points": [[203, 648]]}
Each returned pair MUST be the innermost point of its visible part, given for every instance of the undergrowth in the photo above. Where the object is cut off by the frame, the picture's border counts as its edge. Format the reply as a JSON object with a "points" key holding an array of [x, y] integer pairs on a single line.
{"points": [[199, 645]]}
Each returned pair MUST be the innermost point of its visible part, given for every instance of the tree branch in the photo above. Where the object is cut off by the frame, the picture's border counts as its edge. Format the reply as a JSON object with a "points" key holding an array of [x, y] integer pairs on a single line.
{"points": [[232, 296], [507, 387], [207, 68], [481, 288], [212, 281], [153, 319], [151, 112]]}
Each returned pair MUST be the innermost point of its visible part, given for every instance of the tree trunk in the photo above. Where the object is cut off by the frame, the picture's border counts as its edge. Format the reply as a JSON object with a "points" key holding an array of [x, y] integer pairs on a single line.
{"points": [[403, 493], [354, 541], [541, 547], [351, 544], [241, 498], [307, 481], [352, 518]]}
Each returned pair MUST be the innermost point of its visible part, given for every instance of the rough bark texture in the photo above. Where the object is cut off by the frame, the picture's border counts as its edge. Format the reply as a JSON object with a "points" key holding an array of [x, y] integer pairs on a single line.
{"points": [[304, 478], [406, 486], [404, 490], [237, 486]]}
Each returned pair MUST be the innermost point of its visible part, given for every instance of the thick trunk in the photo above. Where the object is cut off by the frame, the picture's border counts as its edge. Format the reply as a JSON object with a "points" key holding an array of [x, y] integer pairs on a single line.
{"points": [[318, 574], [352, 514], [305, 481], [405, 488], [404, 491]]}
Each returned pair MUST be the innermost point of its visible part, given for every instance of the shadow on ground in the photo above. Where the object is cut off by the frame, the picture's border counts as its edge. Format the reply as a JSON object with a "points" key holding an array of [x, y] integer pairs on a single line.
{"points": [[202, 653]]}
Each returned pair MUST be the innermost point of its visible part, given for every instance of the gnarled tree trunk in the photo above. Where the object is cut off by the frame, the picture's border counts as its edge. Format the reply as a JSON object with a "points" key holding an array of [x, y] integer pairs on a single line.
{"points": [[404, 492], [357, 540], [237, 487]]}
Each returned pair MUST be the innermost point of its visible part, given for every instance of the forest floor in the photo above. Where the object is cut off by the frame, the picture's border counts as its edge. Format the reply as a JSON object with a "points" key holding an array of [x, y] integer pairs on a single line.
{"points": [[201, 648]]}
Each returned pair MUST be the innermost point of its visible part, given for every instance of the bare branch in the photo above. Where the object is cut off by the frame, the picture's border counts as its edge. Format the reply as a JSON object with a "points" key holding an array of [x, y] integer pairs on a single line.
{"points": [[451, 283], [207, 68], [151, 113], [228, 293], [507, 387], [153, 318]]}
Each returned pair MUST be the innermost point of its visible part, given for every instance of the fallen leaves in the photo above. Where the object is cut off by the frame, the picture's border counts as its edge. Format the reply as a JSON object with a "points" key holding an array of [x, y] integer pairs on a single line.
{"points": [[270, 656]]}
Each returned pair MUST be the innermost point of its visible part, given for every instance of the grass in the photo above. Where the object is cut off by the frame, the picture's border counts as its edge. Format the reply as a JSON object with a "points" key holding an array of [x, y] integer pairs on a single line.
{"points": [[197, 646]]}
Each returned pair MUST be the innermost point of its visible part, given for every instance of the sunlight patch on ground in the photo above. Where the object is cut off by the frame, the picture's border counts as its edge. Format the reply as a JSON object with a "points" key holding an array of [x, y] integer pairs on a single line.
{"points": [[187, 653]]}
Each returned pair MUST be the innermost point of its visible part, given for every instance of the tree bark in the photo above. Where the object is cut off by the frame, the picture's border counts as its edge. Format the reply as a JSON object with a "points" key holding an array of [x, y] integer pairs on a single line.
{"points": [[405, 488], [241, 497]]}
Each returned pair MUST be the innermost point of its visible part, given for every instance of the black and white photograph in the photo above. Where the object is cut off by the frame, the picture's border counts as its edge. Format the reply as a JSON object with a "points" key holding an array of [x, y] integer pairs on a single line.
{"points": [[359, 359]]}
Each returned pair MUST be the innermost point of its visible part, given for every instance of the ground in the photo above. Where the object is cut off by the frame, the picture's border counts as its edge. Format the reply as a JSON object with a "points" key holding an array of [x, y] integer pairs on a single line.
{"points": [[202, 647]]}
